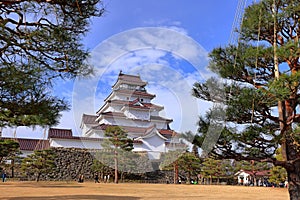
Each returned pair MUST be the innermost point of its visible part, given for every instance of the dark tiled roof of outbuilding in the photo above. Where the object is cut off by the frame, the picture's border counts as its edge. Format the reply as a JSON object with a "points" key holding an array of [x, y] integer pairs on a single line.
{"points": [[31, 144], [60, 133], [56, 133]]}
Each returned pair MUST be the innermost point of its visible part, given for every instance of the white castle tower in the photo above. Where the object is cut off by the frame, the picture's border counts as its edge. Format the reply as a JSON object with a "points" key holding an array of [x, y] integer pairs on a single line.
{"points": [[129, 106]]}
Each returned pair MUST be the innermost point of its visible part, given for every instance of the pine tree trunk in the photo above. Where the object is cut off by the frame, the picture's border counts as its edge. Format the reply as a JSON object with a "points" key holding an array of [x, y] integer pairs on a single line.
{"points": [[12, 168], [294, 182], [116, 166], [38, 177]]}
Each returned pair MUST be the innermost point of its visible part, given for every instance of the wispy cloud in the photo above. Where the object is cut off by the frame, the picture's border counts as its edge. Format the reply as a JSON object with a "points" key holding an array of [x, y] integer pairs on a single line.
{"points": [[169, 60]]}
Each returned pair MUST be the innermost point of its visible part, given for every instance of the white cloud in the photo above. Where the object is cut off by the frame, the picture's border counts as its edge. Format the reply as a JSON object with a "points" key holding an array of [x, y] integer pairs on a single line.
{"points": [[157, 54], [150, 52]]}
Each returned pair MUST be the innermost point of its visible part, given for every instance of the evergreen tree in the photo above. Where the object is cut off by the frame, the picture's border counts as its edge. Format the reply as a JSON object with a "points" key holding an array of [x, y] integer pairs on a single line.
{"points": [[40, 42], [278, 173], [38, 163], [216, 169], [262, 96], [187, 163], [100, 167], [119, 141], [8, 148]]}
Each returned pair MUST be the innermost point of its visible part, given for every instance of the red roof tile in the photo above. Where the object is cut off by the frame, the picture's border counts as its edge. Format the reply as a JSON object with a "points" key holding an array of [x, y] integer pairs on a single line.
{"points": [[150, 105], [131, 78], [135, 93], [167, 132], [136, 79]]}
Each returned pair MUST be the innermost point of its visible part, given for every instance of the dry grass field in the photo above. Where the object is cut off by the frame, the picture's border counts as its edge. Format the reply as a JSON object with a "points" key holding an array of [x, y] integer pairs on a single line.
{"points": [[110, 191]]}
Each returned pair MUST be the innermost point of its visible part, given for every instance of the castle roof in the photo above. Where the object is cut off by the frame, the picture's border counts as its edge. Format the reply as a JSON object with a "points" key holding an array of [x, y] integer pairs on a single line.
{"points": [[160, 118], [133, 129], [135, 103], [130, 93], [129, 79], [89, 119]]}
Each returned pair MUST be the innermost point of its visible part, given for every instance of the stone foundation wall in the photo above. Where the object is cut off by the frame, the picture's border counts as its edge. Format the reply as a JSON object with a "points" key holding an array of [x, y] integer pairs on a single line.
{"points": [[70, 163]]}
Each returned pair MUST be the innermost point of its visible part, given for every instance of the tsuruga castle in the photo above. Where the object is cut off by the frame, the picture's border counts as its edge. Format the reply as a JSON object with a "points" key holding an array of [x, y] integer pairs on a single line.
{"points": [[129, 106]]}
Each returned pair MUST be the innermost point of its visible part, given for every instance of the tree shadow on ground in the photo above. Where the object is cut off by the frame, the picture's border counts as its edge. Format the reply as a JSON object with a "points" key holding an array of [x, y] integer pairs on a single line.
{"points": [[71, 197], [46, 186]]}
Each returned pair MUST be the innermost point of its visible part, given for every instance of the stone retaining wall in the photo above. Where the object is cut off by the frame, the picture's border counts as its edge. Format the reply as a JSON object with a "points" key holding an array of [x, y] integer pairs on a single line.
{"points": [[70, 163]]}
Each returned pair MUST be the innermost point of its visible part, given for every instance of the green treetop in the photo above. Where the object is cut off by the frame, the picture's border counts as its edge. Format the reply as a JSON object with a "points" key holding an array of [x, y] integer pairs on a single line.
{"points": [[40, 42], [261, 99]]}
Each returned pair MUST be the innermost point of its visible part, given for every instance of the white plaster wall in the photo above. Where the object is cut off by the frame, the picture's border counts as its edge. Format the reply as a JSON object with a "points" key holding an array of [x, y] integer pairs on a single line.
{"points": [[154, 113], [116, 108], [85, 128], [88, 144], [154, 143], [152, 153], [138, 114], [109, 109], [106, 121], [97, 134], [124, 122], [122, 97], [138, 147], [145, 100], [160, 125]]}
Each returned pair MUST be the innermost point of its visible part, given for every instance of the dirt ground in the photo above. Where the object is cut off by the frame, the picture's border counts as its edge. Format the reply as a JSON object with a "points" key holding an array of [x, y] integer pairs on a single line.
{"points": [[110, 191]]}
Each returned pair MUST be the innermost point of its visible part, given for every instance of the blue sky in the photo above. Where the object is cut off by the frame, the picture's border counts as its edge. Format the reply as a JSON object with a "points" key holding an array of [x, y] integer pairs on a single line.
{"points": [[208, 22], [166, 42]]}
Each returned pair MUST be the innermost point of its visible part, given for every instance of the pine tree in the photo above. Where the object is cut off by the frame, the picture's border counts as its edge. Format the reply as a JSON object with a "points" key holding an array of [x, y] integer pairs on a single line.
{"points": [[119, 141], [8, 148], [261, 99], [38, 163], [278, 173], [40, 43]]}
